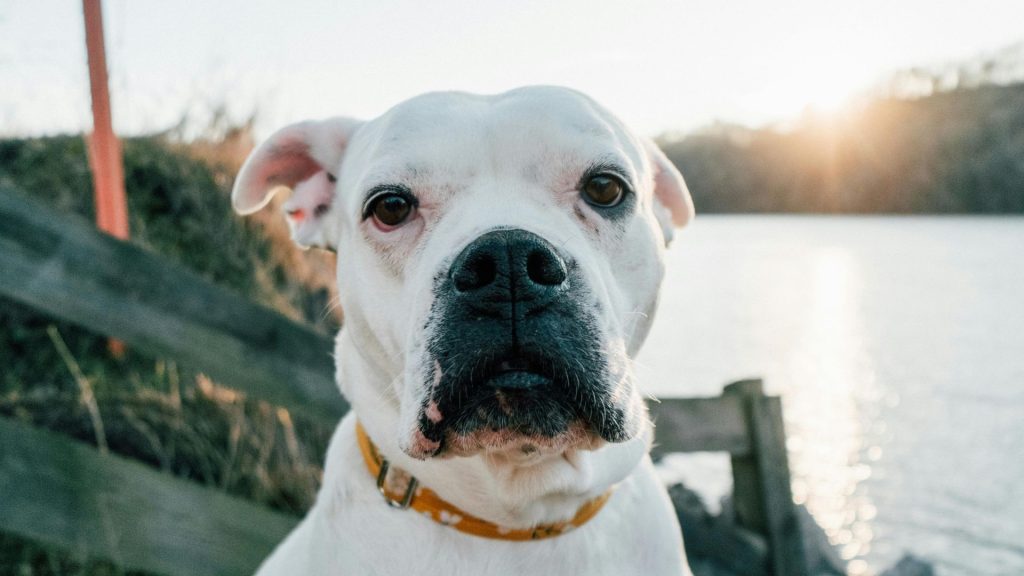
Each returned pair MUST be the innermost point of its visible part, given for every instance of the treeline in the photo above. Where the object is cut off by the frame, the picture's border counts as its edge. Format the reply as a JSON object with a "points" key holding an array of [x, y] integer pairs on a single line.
{"points": [[960, 151]]}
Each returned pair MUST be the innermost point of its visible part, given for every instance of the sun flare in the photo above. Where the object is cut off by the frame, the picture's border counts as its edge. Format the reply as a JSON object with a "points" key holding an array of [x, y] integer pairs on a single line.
{"points": [[822, 74]]}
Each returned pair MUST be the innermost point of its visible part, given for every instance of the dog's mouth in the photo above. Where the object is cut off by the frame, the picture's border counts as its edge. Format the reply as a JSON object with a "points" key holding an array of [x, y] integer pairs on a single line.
{"points": [[525, 402], [515, 358], [517, 374]]}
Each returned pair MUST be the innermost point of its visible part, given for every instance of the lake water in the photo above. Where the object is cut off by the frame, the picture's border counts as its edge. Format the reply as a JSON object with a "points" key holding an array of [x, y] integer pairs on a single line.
{"points": [[898, 346]]}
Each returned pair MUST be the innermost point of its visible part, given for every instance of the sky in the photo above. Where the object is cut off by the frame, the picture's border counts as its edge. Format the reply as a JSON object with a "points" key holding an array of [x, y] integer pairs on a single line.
{"points": [[664, 66]]}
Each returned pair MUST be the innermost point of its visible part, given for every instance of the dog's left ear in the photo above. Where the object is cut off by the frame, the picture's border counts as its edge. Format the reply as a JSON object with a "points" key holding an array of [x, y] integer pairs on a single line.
{"points": [[304, 157], [673, 204], [306, 208]]}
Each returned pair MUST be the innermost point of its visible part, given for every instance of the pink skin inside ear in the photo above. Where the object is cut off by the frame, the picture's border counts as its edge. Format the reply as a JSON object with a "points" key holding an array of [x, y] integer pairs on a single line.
{"points": [[669, 186], [309, 200], [283, 164], [671, 191]]}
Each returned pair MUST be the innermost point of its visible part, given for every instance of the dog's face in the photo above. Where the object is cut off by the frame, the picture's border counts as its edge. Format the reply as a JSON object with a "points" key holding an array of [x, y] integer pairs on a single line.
{"points": [[501, 254]]}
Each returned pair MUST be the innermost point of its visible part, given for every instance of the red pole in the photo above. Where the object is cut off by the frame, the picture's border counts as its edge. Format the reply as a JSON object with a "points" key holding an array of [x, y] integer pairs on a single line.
{"points": [[104, 148]]}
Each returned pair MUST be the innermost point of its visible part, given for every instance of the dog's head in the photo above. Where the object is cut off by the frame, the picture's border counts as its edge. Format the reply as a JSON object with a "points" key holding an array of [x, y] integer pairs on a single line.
{"points": [[499, 261]]}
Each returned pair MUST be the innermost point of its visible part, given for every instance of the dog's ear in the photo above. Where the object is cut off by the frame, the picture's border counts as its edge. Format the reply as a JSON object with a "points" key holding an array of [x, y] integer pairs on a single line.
{"points": [[304, 157], [306, 207], [673, 204]]}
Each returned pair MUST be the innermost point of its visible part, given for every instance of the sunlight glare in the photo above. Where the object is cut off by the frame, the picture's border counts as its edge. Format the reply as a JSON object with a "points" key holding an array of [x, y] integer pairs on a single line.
{"points": [[824, 421], [825, 68]]}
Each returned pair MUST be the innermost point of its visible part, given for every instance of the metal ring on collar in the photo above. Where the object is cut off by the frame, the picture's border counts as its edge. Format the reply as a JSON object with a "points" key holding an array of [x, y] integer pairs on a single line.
{"points": [[410, 491]]}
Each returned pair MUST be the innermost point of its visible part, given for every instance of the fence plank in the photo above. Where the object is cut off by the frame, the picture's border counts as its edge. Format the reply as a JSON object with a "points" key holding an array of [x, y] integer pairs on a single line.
{"points": [[67, 494], [60, 265], [788, 555], [700, 425], [762, 496]]}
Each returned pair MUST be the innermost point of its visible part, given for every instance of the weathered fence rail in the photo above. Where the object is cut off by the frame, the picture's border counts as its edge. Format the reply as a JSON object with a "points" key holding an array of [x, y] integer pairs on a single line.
{"points": [[58, 491], [59, 264], [67, 494]]}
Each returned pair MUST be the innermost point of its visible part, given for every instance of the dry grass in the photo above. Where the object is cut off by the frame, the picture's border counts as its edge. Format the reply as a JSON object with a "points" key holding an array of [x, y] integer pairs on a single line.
{"points": [[200, 431], [61, 377]]}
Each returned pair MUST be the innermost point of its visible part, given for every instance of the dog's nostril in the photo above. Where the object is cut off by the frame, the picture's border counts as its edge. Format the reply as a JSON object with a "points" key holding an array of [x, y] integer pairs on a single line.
{"points": [[545, 268], [507, 265], [477, 271]]}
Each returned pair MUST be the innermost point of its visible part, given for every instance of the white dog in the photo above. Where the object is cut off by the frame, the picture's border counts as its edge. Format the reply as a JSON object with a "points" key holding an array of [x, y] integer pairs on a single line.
{"points": [[499, 261]]}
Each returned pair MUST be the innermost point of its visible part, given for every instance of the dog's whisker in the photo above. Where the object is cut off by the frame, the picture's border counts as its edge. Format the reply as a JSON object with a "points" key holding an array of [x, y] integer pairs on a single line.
{"points": [[334, 303]]}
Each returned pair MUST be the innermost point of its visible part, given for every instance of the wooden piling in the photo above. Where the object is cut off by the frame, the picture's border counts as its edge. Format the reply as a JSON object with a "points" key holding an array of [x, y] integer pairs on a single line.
{"points": [[762, 494]]}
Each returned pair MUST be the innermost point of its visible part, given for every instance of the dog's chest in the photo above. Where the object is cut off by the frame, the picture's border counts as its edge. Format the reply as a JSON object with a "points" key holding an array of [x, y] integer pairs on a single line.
{"points": [[633, 534], [350, 530], [400, 542]]}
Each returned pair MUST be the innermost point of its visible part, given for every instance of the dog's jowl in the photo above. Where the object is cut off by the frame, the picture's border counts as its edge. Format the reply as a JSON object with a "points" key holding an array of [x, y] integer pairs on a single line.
{"points": [[499, 261], [536, 374]]}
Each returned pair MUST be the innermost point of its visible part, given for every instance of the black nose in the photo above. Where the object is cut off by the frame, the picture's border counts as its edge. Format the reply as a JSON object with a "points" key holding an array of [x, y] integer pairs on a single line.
{"points": [[509, 266]]}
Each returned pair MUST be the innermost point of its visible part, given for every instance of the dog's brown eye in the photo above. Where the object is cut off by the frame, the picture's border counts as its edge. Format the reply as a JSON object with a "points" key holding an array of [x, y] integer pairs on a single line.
{"points": [[604, 190], [391, 209]]}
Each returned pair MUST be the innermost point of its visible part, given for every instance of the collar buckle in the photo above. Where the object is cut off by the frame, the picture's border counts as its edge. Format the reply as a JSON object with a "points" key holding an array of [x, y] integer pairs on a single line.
{"points": [[410, 490]]}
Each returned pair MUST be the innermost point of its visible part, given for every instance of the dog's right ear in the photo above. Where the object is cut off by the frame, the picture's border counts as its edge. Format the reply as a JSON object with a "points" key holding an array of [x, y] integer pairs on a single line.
{"points": [[306, 208], [673, 203], [304, 157]]}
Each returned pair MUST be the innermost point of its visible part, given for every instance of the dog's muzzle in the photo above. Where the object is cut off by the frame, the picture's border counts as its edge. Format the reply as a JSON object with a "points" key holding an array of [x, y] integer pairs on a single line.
{"points": [[516, 353], [506, 277]]}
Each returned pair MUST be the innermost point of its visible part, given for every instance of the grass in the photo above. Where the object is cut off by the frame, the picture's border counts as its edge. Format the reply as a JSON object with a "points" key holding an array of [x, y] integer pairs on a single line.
{"points": [[59, 376]]}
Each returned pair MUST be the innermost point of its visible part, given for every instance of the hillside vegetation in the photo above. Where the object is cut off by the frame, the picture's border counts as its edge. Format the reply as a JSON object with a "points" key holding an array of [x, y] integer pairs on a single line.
{"points": [[152, 409], [960, 151]]}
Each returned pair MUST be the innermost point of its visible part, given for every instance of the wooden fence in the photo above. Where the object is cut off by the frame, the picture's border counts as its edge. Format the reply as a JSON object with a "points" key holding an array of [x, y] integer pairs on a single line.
{"points": [[66, 494]]}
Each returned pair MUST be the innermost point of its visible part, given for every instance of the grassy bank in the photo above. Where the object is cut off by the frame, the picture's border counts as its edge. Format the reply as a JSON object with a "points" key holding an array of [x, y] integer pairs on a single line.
{"points": [[58, 376]]}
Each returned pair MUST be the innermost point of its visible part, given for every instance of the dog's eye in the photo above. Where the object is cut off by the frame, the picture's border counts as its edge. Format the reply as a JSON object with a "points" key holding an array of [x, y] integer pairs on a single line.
{"points": [[604, 190], [390, 206], [390, 209]]}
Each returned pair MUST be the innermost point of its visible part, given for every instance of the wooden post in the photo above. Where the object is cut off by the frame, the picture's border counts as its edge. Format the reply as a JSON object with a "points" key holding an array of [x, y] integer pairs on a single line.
{"points": [[762, 494], [104, 148]]}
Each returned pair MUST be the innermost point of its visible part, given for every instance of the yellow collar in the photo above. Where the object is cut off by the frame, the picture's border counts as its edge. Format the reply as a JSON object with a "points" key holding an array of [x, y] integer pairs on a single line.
{"points": [[427, 502]]}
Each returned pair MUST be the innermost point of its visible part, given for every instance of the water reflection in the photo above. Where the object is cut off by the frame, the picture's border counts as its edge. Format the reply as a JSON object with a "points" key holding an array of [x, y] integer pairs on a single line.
{"points": [[825, 440], [897, 343], [792, 313]]}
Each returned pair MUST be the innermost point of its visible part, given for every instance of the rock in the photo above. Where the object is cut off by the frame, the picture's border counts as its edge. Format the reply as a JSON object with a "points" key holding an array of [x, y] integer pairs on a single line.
{"points": [[717, 546], [714, 544], [822, 558], [910, 565]]}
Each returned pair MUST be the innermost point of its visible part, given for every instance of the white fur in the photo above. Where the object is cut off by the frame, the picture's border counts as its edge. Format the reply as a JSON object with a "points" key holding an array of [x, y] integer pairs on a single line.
{"points": [[476, 163], [305, 210]]}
